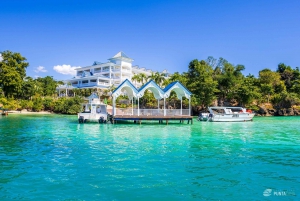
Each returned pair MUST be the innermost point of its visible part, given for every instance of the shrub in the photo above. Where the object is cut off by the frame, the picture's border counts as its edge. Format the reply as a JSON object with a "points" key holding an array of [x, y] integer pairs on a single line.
{"points": [[68, 105], [26, 104], [48, 103], [37, 104], [9, 104]]}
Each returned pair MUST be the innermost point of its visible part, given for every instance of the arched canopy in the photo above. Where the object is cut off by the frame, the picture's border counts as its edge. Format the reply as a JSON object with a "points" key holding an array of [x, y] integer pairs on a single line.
{"points": [[125, 87], [154, 88], [179, 89], [132, 92]]}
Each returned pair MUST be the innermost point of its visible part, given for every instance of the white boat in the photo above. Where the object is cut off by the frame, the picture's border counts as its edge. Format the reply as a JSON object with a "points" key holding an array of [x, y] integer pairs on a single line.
{"points": [[222, 114], [93, 111]]}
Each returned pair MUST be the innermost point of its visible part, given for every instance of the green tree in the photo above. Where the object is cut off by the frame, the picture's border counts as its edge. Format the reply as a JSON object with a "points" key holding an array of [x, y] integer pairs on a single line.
{"points": [[12, 71], [49, 85], [229, 78], [270, 83], [28, 89], [37, 104], [159, 79], [182, 78], [201, 83], [286, 74], [136, 78], [248, 91], [143, 78]]}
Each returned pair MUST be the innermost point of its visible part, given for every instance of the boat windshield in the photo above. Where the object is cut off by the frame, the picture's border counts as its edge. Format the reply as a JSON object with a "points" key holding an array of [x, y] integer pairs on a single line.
{"points": [[227, 110]]}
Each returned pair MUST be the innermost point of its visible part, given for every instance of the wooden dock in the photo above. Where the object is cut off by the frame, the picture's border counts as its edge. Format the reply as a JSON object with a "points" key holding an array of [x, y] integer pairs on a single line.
{"points": [[160, 119]]}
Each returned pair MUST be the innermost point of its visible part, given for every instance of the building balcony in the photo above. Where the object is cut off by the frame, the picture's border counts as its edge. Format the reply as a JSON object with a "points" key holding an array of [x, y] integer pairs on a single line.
{"points": [[115, 78], [103, 83], [127, 72], [116, 70]]}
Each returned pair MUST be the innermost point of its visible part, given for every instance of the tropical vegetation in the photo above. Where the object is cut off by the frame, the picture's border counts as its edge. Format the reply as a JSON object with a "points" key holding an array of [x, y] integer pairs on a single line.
{"points": [[212, 82]]}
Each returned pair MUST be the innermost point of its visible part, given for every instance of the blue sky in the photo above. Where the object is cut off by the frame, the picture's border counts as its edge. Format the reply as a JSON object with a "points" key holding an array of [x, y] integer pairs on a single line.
{"points": [[157, 34]]}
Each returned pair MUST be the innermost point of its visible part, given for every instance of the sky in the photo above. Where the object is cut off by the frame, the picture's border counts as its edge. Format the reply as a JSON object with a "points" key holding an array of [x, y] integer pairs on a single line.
{"points": [[59, 35]]}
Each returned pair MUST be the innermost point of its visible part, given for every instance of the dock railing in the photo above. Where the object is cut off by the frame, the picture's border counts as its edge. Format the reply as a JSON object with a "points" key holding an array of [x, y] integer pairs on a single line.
{"points": [[152, 112]]}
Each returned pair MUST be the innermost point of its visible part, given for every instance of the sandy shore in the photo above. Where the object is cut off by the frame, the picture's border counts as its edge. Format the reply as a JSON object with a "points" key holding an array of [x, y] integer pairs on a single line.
{"points": [[27, 112]]}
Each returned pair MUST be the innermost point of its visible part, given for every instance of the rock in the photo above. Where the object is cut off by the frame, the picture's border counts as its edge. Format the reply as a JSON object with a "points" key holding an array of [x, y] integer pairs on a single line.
{"points": [[268, 110], [285, 112], [263, 111], [280, 112], [271, 112], [290, 112], [296, 112]]}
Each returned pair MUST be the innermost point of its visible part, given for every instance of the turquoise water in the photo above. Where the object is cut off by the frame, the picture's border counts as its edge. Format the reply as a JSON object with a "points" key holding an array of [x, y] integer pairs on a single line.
{"points": [[52, 157]]}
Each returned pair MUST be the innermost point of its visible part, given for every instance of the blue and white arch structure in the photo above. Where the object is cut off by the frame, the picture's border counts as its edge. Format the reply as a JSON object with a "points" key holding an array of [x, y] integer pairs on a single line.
{"points": [[126, 87]]}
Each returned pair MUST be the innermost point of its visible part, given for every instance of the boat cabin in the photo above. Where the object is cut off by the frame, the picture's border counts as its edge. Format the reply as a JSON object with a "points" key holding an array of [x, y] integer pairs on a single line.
{"points": [[94, 110]]}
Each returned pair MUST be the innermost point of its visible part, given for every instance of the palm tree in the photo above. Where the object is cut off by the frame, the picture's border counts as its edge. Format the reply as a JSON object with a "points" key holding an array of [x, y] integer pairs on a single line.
{"points": [[111, 89], [152, 77], [136, 78], [159, 78], [143, 78]]}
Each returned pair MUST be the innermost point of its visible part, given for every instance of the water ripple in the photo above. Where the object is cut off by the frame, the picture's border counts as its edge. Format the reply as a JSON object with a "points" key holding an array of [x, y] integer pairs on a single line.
{"points": [[54, 158]]}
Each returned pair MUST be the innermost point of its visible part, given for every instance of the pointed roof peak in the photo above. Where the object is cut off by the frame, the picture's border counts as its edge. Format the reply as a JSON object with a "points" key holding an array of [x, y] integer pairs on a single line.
{"points": [[121, 54]]}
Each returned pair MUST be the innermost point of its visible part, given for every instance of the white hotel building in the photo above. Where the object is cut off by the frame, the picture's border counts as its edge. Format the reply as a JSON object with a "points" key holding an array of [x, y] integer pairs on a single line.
{"points": [[103, 75]]}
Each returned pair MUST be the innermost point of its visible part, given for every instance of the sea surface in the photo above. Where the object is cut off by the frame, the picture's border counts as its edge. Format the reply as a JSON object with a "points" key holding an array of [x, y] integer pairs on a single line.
{"points": [[52, 157]]}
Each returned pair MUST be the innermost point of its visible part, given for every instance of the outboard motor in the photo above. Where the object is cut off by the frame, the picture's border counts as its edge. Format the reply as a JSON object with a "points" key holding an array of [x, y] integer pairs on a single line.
{"points": [[101, 120], [210, 116], [200, 117], [109, 118], [81, 119]]}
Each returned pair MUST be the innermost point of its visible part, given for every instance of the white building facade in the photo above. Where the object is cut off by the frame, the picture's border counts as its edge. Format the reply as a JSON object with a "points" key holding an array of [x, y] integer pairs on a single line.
{"points": [[103, 75]]}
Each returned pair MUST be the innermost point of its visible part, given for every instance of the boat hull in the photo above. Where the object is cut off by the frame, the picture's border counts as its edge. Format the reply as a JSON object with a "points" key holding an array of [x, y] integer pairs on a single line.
{"points": [[90, 117], [231, 117]]}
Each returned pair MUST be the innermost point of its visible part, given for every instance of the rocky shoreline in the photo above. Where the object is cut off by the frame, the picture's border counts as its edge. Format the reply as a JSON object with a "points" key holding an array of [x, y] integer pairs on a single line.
{"points": [[265, 111]]}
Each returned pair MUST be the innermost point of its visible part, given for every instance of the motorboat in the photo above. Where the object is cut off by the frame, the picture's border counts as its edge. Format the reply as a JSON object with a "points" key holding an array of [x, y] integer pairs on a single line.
{"points": [[229, 114], [93, 111]]}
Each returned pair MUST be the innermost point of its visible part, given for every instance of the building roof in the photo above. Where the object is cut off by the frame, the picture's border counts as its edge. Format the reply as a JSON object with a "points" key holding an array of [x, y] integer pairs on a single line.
{"points": [[121, 55], [96, 63]]}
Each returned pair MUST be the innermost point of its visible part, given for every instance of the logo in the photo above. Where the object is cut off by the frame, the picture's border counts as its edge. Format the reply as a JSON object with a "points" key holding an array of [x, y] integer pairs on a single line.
{"points": [[267, 192]]}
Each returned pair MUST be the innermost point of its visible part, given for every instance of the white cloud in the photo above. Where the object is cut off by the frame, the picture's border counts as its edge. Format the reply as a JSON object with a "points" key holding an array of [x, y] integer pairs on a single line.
{"points": [[40, 69], [66, 69]]}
